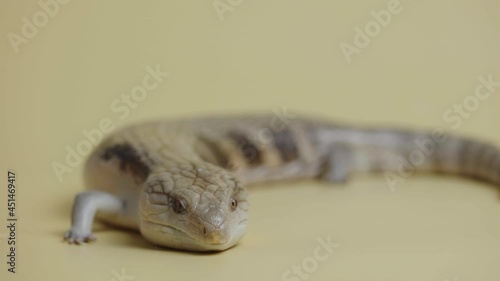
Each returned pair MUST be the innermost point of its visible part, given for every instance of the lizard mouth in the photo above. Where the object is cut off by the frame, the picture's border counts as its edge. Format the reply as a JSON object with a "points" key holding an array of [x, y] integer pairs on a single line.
{"points": [[172, 237], [171, 230]]}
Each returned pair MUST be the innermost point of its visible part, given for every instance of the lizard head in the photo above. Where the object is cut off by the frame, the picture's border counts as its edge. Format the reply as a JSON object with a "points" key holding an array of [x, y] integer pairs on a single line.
{"points": [[196, 207]]}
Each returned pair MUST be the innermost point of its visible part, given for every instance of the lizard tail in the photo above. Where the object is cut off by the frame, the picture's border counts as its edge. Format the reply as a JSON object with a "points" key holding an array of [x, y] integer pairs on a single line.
{"points": [[399, 154], [469, 158]]}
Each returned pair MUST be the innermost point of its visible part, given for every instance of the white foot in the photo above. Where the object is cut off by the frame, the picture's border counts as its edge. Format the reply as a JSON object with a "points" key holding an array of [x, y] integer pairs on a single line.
{"points": [[78, 236]]}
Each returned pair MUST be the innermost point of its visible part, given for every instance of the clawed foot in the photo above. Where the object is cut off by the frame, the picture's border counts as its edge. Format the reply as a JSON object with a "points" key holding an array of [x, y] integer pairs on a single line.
{"points": [[77, 236]]}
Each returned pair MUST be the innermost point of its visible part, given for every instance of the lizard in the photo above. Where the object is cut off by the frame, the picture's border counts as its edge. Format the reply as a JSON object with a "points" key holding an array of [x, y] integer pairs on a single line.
{"points": [[182, 182]]}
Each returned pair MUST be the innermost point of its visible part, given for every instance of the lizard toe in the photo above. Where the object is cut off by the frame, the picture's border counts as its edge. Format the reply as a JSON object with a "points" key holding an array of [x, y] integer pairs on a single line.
{"points": [[78, 237]]}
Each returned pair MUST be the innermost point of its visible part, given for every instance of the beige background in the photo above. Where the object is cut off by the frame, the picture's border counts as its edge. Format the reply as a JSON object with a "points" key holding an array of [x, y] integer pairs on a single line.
{"points": [[262, 55]]}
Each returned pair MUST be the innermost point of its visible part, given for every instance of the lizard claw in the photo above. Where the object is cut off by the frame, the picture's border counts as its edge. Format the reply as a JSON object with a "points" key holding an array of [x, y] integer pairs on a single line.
{"points": [[76, 236]]}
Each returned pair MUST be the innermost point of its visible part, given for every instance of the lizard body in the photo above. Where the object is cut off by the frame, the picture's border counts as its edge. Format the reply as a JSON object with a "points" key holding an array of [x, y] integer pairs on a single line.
{"points": [[181, 182]]}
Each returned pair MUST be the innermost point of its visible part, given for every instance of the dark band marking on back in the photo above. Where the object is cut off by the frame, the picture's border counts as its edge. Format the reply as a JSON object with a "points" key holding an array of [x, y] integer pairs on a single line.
{"points": [[247, 148], [464, 156], [490, 163], [479, 150], [221, 158], [496, 167], [130, 160], [285, 144]]}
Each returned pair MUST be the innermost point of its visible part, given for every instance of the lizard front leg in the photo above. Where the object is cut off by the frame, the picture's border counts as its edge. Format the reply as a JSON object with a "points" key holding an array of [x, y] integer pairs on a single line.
{"points": [[84, 209]]}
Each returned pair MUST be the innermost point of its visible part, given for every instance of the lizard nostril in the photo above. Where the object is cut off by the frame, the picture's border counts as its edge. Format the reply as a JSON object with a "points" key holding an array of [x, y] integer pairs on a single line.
{"points": [[204, 231]]}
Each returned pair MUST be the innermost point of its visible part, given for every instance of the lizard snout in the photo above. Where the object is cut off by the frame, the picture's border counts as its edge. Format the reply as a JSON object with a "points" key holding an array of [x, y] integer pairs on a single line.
{"points": [[214, 235], [213, 228]]}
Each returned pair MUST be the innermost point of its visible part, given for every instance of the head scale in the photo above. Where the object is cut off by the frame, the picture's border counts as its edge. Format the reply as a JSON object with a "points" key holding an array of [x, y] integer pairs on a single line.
{"points": [[196, 207]]}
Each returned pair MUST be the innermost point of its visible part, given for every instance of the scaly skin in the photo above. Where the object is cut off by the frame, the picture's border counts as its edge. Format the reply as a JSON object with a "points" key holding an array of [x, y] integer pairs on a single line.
{"points": [[180, 182]]}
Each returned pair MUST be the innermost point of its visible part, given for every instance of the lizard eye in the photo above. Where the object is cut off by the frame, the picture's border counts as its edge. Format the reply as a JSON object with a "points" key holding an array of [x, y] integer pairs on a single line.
{"points": [[234, 204], [179, 206]]}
